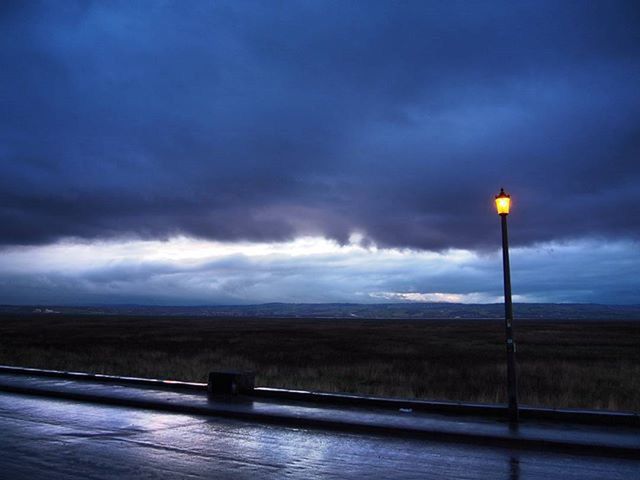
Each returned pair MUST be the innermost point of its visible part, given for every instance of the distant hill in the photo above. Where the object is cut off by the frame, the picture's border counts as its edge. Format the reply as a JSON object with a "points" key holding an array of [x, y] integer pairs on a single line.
{"points": [[551, 311]]}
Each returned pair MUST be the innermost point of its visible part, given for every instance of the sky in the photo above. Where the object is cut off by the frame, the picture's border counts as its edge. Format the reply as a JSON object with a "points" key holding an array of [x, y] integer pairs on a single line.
{"points": [[198, 152]]}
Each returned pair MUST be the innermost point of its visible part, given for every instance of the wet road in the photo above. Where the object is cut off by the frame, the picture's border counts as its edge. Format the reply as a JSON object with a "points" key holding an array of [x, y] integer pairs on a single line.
{"points": [[47, 438]]}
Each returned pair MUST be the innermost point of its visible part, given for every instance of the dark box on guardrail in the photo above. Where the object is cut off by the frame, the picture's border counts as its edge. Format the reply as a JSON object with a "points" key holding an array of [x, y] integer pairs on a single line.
{"points": [[231, 383]]}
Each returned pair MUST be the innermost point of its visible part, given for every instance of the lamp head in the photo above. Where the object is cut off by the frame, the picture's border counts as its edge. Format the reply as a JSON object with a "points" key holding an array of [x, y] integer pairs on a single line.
{"points": [[503, 203]]}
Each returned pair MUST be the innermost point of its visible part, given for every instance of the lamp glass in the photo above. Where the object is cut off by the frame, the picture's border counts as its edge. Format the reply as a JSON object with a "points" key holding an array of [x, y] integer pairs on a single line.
{"points": [[503, 203]]}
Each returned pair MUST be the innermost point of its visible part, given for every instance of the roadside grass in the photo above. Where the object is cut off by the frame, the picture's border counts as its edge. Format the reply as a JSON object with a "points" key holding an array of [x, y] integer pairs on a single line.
{"points": [[561, 364]]}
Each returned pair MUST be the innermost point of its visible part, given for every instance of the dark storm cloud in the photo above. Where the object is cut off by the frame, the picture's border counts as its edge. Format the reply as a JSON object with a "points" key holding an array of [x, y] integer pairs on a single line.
{"points": [[268, 120]]}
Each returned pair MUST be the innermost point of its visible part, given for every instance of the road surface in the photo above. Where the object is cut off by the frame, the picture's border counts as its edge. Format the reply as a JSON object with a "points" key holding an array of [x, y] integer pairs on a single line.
{"points": [[63, 439]]}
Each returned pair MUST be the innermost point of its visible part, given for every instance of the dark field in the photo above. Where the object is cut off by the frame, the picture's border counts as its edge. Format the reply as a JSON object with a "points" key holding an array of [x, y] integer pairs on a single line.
{"points": [[574, 364]]}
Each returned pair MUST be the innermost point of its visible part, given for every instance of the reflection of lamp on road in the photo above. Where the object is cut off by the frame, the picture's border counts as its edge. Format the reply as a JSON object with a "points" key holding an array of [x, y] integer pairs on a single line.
{"points": [[503, 204]]}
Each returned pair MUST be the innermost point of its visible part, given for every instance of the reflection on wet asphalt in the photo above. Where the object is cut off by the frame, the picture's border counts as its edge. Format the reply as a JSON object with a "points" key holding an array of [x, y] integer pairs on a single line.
{"points": [[46, 438]]}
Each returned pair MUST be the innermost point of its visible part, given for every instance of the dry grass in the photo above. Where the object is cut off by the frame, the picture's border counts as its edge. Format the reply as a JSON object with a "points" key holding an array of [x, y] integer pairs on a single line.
{"points": [[574, 364]]}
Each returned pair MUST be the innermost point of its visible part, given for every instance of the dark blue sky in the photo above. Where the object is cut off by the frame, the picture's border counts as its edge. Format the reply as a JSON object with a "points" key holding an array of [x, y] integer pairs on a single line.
{"points": [[264, 122]]}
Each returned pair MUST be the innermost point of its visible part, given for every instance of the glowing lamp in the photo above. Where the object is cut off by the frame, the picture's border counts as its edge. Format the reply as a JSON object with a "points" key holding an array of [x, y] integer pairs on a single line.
{"points": [[503, 202]]}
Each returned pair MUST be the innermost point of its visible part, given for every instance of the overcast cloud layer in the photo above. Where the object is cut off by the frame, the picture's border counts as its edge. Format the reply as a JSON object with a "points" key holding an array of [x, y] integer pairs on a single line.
{"points": [[266, 121]]}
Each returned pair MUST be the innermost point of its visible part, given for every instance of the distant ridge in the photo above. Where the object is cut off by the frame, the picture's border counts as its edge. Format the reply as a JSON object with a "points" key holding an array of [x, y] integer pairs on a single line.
{"points": [[452, 311]]}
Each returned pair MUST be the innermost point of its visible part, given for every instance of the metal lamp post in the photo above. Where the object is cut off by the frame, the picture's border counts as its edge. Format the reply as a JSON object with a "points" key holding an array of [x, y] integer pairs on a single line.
{"points": [[503, 203]]}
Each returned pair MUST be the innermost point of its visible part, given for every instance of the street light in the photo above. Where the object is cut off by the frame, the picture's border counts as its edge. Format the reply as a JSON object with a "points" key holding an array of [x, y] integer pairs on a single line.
{"points": [[503, 204]]}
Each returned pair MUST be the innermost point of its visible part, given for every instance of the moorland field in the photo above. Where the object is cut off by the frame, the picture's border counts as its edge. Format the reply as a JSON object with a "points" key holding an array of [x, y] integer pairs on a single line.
{"points": [[594, 364]]}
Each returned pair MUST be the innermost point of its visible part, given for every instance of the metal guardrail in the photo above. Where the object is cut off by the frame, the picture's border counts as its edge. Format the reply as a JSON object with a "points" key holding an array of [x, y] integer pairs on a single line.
{"points": [[584, 416]]}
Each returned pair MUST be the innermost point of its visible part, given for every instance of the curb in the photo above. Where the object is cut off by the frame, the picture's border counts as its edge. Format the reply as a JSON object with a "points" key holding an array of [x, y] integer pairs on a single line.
{"points": [[588, 417], [336, 425]]}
